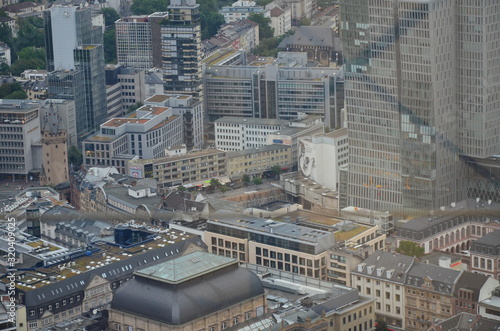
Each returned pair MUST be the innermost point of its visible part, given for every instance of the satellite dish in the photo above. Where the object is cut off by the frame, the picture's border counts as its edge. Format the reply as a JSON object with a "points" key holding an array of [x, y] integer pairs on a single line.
{"points": [[94, 311]]}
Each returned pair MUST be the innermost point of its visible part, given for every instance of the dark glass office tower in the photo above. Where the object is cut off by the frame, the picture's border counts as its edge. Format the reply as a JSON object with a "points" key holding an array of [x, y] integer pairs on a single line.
{"points": [[421, 91]]}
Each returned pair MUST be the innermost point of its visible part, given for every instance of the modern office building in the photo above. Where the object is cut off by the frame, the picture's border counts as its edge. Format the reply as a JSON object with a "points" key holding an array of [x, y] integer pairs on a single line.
{"points": [[138, 40], [75, 60], [181, 48], [191, 111], [279, 90], [421, 90], [125, 87], [144, 133], [19, 134], [236, 133]]}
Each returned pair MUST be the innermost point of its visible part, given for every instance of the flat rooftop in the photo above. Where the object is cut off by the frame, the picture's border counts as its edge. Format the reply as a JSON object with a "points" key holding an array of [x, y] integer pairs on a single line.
{"points": [[251, 121], [186, 267], [270, 227]]}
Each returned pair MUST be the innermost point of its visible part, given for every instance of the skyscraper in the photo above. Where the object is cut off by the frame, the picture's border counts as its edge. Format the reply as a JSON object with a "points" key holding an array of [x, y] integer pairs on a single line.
{"points": [[75, 59], [422, 81], [181, 48]]}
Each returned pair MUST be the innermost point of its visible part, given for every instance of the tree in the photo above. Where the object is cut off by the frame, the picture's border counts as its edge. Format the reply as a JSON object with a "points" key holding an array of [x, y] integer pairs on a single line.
{"points": [[380, 325], [304, 21], [147, 7], [181, 188], [8, 89], [110, 45], [30, 33], [268, 47], [276, 170], [224, 189], [75, 157], [257, 181], [215, 183], [17, 95], [410, 248], [22, 64], [210, 23], [135, 106], [4, 68], [265, 30], [110, 16], [246, 179], [263, 3]]}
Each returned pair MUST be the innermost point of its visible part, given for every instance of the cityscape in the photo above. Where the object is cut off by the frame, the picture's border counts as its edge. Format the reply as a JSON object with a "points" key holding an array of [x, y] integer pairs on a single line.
{"points": [[250, 165]]}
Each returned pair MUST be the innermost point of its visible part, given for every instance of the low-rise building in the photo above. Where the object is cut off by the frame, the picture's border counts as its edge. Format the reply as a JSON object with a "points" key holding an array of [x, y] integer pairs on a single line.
{"points": [[5, 56], [240, 10], [452, 229], [198, 291], [257, 161], [412, 295], [84, 280], [191, 168], [24, 9], [236, 133], [485, 255]]}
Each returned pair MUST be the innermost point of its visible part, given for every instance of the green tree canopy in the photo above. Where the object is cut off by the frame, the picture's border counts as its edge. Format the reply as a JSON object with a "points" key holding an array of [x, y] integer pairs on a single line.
{"points": [[30, 33], [410, 248], [22, 64], [210, 23], [110, 16], [110, 45], [276, 170], [8, 89], [75, 157], [257, 181], [265, 30], [147, 7], [268, 47], [246, 179], [4, 68], [380, 325], [17, 95]]}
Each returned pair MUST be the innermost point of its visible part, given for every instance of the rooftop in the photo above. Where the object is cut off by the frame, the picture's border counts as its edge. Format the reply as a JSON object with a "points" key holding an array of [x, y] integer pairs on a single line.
{"points": [[186, 267], [251, 121], [273, 228]]}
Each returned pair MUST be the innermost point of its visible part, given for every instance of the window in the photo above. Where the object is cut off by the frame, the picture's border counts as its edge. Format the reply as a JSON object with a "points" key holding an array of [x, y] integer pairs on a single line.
{"points": [[223, 325], [32, 312], [235, 320]]}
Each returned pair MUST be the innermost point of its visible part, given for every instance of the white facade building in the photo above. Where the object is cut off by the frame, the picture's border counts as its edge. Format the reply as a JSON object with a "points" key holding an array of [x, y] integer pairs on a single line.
{"points": [[321, 156], [236, 133]]}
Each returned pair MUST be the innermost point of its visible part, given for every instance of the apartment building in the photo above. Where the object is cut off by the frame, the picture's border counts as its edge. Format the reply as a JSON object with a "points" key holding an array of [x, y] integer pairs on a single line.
{"points": [[240, 10], [191, 168], [256, 161], [485, 255], [412, 295], [144, 133]]}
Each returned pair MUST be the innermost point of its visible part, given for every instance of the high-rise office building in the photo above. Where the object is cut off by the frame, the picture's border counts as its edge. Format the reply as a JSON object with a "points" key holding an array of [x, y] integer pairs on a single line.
{"points": [[422, 81], [75, 59], [138, 41], [181, 48]]}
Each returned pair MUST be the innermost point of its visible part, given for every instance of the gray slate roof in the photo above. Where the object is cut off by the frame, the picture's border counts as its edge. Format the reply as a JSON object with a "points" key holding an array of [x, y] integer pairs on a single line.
{"points": [[61, 289], [391, 266], [177, 304], [312, 36]]}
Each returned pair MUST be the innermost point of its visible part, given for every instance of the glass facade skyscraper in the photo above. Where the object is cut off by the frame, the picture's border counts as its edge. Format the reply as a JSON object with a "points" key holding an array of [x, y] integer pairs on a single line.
{"points": [[421, 91], [75, 61]]}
